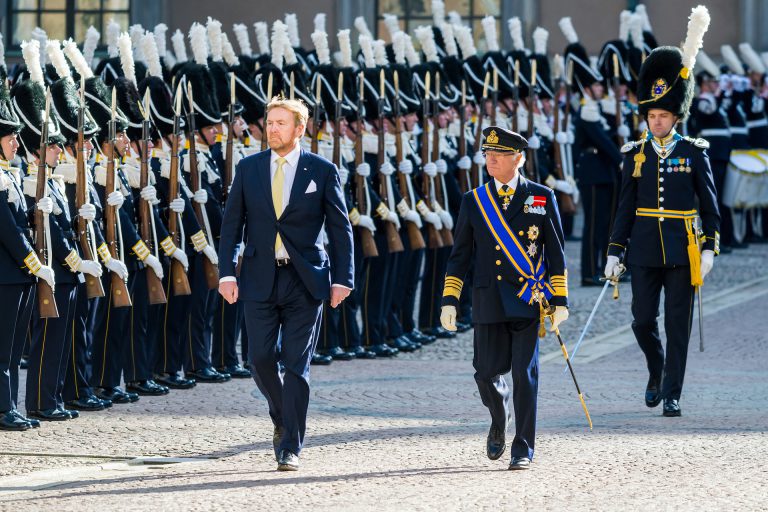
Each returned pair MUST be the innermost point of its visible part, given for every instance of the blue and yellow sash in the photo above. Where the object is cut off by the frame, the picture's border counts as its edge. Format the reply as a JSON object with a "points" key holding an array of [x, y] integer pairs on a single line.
{"points": [[534, 273]]}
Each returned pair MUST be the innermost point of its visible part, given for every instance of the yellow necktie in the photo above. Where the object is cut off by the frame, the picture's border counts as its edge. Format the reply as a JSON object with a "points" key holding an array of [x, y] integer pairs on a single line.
{"points": [[277, 195]]}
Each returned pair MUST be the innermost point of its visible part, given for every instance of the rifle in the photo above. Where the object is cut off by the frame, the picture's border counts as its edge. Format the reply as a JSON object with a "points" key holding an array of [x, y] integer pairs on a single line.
{"points": [[229, 162], [179, 279], [475, 172], [85, 232], [394, 244], [516, 96], [435, 241], [119, 289], [567, 205], [211, 270], [494, 95], [464, 179], [616, 91], [568, 167], [146, 210], [445, 233], [361, 185], [45, 297], [531, 163], [316, 121], [414, 233], [264, 124]]}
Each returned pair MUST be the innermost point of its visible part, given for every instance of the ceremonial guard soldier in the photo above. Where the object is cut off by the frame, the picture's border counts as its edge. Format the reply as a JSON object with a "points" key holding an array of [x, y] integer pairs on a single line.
{"points": [[665, 177], [510, 225]]}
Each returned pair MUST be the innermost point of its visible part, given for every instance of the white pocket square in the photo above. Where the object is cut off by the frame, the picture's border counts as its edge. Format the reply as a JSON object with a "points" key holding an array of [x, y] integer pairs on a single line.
{"points": [[311, 187]]}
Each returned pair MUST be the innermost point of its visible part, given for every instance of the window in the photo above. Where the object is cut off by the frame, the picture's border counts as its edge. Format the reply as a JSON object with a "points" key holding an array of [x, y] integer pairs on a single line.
{"points": [[412, 13], [62, 19]]}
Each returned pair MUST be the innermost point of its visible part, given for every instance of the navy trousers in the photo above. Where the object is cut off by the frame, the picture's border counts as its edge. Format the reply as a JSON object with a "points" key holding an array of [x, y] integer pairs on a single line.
{"points": [[598, 202], [171, 333], [79, 338], [111, 335], [198, 328], [282, 335], [226, 332], [647, 283], [13, 298], [435, 264], [376, 296], [499, 348], [350, 336], [400, 318]]}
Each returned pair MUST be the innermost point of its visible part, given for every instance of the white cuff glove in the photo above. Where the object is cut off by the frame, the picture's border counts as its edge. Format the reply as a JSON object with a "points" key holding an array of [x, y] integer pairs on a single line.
{"points": [[405, 166], [430, 169], [343, 175], [392, 217], [448, 318], [413, 216], [200, 196], [181, 256], [90, 267], [561, 185], [152, 262], [571, 137], [442, 166], [446, 219], [434, 219], [46, 274], [387, 169], [559, 316], [363, 170], [534, 142], [623, 131], [115, 199], [561, 138], [478, 158], [366, 222], [118, 267], [87, 212], [45, 205], [612, 267], [210, 253], [177, 205], [464, 163], [707, 262], [149, 194]]}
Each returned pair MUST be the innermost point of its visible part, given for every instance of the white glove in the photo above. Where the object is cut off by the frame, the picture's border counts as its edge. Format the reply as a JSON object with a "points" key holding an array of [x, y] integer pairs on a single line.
{"points": [[363, 170], [561, 138], [405, 166], [478, 158], [642, 126], [448, 318], [46, 274], [725, 81], [559, 316], [115, 199], [392, 217], [434, 219], [177, 205], [442, 166], [181, 256], [118, 267], [87, 212], [90, 267], [413, 216], [45, 205], [623, 131], [707, 262], [464, 163], [200, 196], [612, 267], [571, 137], [210, 253], [149, 194], [446, 219], [534, 142], [343, 175], [152, 262], [366, 222], [430, 169], [386, 169], [739, 85]]}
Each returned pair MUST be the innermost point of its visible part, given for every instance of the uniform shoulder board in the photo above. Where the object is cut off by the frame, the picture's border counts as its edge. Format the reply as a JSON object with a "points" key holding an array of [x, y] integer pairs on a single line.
{"points": [[698, 142], [629, 146]]}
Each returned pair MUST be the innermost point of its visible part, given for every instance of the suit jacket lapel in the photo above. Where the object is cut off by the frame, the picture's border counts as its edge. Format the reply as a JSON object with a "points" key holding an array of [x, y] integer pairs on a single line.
{"points": [[265, 179], [300, 182]]}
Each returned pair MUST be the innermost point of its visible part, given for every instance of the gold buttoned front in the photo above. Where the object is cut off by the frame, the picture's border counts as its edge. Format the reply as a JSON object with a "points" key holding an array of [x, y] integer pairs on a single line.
{"points": [[520, 233], [498, 278], [520, 279], [498, 248], [498, 262]]}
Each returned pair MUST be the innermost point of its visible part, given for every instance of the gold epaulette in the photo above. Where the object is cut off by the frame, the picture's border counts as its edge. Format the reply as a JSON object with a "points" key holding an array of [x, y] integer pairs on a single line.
{"points": [[698, 142], [629, 146]]}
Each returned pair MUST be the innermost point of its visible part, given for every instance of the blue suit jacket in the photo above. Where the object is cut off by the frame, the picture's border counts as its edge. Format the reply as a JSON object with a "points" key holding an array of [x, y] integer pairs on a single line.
{"points": [[249, 206]]}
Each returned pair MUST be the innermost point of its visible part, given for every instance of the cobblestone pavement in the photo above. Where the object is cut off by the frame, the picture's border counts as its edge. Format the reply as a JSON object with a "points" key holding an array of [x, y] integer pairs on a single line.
{"points": [[409, 433]]}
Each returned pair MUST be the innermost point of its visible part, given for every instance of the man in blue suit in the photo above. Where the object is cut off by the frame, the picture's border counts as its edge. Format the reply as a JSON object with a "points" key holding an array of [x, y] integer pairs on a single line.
{"points": [[278, 205]]}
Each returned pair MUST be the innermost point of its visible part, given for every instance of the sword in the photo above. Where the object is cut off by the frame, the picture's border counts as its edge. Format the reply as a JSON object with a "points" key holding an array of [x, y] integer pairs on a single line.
{"points": [[701, 321]]}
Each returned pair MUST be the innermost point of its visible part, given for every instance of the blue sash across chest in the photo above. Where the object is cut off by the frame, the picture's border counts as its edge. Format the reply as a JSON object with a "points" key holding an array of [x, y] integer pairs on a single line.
{"points": [[535, 273]]}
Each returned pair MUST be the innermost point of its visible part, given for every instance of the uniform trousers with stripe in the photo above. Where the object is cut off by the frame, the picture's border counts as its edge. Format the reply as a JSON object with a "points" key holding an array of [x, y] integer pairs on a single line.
{"points": [[16, 299]]}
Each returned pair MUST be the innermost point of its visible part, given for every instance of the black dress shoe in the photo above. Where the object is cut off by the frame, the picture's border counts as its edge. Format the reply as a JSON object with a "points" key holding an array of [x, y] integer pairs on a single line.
{"points": [[440, 333], [496, 443], [69, 412], [49, 415], [114, 395], [86, 403], [671, 407], [277, 435], [382, 350], [402, 344], [361, 353], [653, 392], [339, 354], [288, 461], [11, 421], [32, 423], [321, 360], [424, 339], [462, 327], [146, 388], [106, 403], [520, 463], [208, 375], [235, 371], [173, 381]]}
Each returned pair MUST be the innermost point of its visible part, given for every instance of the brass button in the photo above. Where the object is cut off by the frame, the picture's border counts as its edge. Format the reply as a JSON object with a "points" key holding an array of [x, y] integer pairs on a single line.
{"points": [[498, 278], [498, 262], [498, 248], [520, 279], [520, 233]]}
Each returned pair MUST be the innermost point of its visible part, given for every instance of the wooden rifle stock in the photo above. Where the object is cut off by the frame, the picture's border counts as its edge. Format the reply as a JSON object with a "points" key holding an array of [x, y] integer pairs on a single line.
{"points": [[433, 236], [464, 181], [45, 297], [394, 243], [179, 278], [366, 237], [445, 234], [567, 205]]}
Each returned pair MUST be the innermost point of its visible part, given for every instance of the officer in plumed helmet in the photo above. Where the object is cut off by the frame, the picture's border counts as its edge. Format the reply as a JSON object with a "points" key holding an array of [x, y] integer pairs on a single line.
{"points": [[666, 186]]}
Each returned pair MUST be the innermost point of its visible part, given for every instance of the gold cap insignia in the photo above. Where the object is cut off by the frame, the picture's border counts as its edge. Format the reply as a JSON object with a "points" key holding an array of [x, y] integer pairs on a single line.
{"points": [[659, 88], [492, 138]]}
